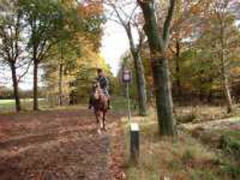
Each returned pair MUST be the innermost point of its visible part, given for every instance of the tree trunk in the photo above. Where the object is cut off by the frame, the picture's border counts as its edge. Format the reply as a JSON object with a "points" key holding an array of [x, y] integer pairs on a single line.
{"points": [[163, 96], [15, 88], [227, 91], [141, 84], [60, 83], [178, 68], [35, 86], [160, 69], [224, 68], [140, 76]]}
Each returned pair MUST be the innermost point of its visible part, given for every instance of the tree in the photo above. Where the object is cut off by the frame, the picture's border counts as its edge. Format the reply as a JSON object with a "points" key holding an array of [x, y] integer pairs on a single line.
{"points": [[159, 63], [11, 43], [128, 19], [221, 37], [43, 18], [186, 22], [76, 53]]}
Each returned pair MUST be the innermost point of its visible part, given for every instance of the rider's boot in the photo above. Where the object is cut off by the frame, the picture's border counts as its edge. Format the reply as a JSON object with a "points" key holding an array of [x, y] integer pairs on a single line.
{"points": [[90, 104]]}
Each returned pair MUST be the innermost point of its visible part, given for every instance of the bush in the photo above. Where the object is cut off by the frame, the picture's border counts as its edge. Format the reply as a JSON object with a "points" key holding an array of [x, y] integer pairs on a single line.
{"points": [[233, 171], [230, 145]]}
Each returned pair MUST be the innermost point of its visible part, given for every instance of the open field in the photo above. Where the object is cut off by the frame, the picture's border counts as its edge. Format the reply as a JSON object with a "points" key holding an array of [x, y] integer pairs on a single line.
{"points": [[119, 104], [8, 105]]}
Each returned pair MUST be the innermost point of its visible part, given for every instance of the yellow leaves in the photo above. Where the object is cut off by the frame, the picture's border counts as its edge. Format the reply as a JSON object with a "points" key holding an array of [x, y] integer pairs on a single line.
{"points": [[91, 58]]}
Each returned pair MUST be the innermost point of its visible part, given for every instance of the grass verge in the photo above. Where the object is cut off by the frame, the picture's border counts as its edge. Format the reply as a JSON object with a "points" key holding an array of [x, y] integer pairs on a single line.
{"points": [[182, 157]]}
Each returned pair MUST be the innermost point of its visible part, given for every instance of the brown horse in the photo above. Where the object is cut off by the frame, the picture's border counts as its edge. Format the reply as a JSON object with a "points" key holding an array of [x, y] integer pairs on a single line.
{"points": [[100, 105]]}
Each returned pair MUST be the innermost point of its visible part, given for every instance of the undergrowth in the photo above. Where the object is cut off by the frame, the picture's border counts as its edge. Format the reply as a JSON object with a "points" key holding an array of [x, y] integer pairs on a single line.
{"points": [[181, 157]]}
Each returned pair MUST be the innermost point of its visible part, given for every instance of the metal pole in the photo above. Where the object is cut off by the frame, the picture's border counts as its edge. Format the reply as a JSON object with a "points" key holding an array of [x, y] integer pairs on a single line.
{"points": [[129, 104]]}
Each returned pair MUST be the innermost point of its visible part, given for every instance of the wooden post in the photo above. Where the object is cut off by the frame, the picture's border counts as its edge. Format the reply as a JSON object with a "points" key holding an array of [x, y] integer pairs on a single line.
{"points": [[134, 146], [129, 104]]}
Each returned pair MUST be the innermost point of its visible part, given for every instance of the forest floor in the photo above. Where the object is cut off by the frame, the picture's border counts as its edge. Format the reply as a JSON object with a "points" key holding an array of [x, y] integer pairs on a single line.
{"points": [[207, 146], [58, 144]]}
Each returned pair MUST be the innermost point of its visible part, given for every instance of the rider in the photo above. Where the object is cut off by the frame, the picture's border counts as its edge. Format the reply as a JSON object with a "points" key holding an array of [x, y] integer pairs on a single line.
{"points": [[104, 85]]}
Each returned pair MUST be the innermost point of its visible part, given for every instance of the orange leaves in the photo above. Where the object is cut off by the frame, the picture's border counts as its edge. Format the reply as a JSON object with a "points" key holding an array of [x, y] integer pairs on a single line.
{"points": [[196, 10], [90, 9]]}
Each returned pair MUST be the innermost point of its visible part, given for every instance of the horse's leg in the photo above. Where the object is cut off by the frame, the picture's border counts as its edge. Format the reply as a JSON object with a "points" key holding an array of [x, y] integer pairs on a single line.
{"points": [[101, 121], [104, 118], [97, 116]]}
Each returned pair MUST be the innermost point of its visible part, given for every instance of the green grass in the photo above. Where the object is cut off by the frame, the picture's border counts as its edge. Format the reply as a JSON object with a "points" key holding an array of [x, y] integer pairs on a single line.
{"points": [[8, 105], [120, 104], [233, 134]]}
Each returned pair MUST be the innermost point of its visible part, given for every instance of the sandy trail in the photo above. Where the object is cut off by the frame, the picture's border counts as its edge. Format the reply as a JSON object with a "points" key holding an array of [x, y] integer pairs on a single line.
{"points": [[59, 144]]}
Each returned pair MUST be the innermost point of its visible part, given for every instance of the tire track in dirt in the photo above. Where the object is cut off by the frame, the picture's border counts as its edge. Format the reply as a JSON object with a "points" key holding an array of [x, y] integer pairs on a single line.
{"points": [[67, 147], [41, 138]]}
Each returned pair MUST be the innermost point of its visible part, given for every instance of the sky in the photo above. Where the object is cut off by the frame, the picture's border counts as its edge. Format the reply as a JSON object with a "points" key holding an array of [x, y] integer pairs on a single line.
{"points": [[114, 45]]}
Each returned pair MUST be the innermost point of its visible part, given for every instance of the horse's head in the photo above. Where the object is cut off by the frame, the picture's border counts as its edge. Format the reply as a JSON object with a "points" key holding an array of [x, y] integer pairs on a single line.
{"points": [[96, 90]]}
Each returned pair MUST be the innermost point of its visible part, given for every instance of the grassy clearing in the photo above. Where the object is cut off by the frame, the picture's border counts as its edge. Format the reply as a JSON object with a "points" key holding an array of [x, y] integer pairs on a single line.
{"points": [[119, 104], [183, 157], [8, 105], [196, 114]]}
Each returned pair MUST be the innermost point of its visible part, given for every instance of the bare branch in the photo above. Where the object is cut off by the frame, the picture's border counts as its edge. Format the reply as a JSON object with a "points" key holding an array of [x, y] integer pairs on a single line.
{"points": [[168, 20], [25, 72]]}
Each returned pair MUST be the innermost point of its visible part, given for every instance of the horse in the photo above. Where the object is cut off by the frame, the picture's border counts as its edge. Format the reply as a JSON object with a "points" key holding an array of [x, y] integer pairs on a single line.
{"points": [[100, 106]]}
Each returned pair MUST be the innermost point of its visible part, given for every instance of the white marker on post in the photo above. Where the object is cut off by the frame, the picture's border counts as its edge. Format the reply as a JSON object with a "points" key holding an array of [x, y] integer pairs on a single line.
{"points": [[134, 144]]}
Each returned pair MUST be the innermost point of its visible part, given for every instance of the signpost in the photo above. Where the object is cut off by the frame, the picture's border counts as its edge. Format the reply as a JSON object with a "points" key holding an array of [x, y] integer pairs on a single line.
{"points": [[134, 127], [127, 79]]}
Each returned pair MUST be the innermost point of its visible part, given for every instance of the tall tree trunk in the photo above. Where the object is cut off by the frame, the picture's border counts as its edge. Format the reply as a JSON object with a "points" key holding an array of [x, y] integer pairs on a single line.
{"points": [[141, 83], [227, 93], [160, 69], [15, 88], [226, 88], [225, 70], [60, 83], [35, 86], [178, 68], [140, 76], [163, 93]]}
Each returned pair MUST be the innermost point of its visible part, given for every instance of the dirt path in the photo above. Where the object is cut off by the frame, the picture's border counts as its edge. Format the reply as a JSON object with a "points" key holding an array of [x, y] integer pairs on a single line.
{"points": [[59, 144]]}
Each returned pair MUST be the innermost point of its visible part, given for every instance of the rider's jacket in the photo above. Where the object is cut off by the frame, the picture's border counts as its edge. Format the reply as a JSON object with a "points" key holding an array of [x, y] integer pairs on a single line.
{"points": [[104, 83]]}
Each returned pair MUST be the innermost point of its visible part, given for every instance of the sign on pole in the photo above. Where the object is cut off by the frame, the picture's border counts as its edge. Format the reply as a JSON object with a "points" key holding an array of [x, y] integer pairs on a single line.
{"points": [[134, 127], [127, 79], [126, 76]]}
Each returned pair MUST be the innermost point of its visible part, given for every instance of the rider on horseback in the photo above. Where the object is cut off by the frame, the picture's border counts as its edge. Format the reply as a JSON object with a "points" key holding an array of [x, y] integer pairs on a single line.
{"points": [[104, 85]]}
